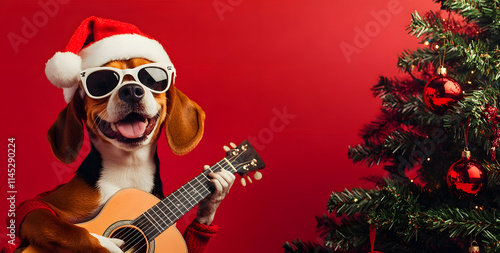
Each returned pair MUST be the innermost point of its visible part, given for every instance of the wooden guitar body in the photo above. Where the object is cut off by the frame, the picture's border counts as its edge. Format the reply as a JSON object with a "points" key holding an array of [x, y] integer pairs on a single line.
{"points": [[125, 206]]}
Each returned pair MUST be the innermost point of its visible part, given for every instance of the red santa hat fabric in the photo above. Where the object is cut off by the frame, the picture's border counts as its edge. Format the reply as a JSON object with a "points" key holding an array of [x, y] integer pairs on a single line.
{"points": [[96, 42]]}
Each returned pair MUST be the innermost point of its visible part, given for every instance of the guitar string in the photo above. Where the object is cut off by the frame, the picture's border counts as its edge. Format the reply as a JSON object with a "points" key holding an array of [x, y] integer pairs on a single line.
{"points": [[182, 195], [137, 238], [172, 204], [203, 187], [149, 230], [193, 204], [196, 187]]}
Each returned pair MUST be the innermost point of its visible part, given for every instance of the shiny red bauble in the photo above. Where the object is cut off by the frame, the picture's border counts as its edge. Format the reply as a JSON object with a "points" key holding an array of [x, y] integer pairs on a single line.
{"points": [[466, 178], [442, 92]]}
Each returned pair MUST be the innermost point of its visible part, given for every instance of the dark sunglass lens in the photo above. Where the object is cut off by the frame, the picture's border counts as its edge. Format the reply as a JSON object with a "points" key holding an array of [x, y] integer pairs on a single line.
{"points": [[154, 78], [102, 82]]}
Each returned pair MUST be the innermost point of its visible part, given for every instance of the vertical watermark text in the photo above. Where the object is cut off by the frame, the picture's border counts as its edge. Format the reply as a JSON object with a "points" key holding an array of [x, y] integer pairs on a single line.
{"points": [[11, 189]]}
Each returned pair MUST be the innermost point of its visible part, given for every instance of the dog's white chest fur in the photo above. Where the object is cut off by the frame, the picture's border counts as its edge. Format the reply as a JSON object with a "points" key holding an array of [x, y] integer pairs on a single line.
{"points": [[134, 170]]}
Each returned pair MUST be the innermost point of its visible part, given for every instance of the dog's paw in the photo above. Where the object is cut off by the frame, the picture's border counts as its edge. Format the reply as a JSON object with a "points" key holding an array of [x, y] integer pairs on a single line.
{"points": [[112, 244]]}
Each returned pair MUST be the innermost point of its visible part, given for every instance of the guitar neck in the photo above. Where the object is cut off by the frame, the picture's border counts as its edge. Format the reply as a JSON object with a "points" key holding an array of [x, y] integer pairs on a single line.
{"points": [[164, 214]]}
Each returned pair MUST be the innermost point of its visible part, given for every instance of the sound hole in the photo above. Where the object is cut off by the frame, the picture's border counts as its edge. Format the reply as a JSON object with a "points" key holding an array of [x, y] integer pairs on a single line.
{"points": [[134, 240]]}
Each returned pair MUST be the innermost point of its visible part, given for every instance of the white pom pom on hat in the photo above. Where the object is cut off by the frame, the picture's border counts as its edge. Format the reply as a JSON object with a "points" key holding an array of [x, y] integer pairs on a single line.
{"points": [[96, 42], [61, 67]]}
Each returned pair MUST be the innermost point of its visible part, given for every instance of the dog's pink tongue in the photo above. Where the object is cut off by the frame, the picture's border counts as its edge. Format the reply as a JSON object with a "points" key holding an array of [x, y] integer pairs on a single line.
{"points": [[131, 130]]}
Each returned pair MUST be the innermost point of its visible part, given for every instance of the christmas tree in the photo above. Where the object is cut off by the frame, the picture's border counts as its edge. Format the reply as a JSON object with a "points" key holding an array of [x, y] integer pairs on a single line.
{"points": [[437, 137]]}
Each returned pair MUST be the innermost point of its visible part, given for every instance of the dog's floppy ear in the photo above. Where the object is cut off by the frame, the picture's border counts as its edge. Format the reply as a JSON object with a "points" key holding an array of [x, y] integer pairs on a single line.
{"points": [[66, 134], [185, 122]]}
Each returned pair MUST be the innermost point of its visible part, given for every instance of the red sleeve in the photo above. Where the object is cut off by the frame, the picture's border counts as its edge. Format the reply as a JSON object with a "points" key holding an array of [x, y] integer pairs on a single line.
{"points": [[29, 205], [197, 236]]}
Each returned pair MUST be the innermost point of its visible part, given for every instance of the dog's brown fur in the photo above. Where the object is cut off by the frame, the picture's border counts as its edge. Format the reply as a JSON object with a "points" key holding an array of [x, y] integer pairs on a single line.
{"points": [[183, 122]]}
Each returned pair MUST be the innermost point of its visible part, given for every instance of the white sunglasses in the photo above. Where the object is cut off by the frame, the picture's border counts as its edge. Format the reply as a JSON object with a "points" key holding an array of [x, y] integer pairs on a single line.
{"points": [[100, 82]]}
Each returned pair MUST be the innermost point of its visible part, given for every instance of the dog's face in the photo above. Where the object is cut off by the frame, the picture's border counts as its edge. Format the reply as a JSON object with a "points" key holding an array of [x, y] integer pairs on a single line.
{"points": [[131, 116]]}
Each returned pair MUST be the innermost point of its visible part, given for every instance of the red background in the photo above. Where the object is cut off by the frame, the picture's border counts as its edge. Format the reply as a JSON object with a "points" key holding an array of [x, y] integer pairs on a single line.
{"points": [[242, 61]]}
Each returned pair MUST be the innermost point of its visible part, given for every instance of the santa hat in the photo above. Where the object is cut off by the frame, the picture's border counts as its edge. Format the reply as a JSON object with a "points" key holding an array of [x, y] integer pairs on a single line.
{"points": [[96, 42]]}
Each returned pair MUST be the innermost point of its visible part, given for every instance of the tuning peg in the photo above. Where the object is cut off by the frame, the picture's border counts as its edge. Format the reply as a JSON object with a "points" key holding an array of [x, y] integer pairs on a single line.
{"points": [[249, 179], [232, 145], [243, 182], [257, 175], [226, 148]]}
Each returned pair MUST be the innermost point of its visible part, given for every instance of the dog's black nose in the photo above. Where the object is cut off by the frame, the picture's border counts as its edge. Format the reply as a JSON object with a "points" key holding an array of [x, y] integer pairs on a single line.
{"points": [[131, 93]]}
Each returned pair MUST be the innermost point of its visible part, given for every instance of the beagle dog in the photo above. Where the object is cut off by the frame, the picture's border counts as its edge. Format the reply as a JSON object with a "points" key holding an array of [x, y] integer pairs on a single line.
{"points": [[124, 106]]}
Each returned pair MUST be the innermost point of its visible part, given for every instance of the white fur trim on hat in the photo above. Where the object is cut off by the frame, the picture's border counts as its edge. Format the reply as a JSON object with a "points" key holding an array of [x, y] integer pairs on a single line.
{"points": [[123, 47], [63, 69]]}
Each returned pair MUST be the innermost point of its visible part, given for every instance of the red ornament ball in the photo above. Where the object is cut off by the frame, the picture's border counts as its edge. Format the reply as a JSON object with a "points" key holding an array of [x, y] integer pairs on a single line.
{"points": [[466, 177], [441, 93]]}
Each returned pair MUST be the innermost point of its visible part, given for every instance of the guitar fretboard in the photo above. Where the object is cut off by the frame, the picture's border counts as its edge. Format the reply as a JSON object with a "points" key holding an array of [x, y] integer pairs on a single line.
{"points": [[164, 214]]}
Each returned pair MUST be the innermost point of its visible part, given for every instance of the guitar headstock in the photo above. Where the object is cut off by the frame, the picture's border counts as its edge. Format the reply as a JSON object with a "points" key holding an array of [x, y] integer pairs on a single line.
{"points": [[245, 159]]}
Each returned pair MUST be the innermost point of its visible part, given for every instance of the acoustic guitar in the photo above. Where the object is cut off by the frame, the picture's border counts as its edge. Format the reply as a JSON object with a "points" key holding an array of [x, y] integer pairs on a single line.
{"points": [[144, 222]]}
